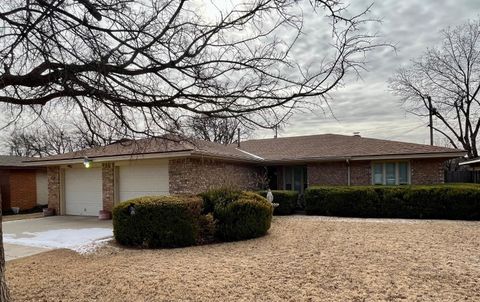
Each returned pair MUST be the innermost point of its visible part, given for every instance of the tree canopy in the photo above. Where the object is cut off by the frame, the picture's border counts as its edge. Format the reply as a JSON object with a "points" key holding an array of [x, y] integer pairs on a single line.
{"points": [[150, 64], [449, 76]]}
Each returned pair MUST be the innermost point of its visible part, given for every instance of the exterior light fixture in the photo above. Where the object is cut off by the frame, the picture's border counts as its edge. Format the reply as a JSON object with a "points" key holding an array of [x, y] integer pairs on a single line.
{"points": [[87, 162]]}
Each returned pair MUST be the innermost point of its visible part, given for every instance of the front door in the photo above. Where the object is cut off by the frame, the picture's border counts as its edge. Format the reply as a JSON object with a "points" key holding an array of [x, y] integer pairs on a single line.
{"points": [[295, 178]]}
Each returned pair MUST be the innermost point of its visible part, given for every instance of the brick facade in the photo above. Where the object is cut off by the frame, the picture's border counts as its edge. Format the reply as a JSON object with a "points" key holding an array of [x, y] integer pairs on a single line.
{"points": [[192, 175], [23, 189], [427, 171], [423, 172], [108, 185], [360, 173], [5, 188], [54, 188], [328, 173]]}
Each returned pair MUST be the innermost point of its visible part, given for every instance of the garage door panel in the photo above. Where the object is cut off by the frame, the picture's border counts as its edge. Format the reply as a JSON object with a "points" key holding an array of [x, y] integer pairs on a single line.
{"points": [[83, 191], [142, 180]]}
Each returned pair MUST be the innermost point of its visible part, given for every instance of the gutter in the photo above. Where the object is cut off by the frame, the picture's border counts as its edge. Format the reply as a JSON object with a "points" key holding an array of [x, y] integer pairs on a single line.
{"points": [[348, 172]]}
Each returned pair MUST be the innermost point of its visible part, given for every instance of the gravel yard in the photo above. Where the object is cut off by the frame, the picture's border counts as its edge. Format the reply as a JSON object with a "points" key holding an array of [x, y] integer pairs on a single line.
{"points": [[301, 259]]}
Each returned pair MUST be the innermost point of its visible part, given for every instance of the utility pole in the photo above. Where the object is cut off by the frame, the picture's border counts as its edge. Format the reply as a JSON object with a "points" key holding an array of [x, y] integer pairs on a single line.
{"points": [[430, 113], [276, 131]]}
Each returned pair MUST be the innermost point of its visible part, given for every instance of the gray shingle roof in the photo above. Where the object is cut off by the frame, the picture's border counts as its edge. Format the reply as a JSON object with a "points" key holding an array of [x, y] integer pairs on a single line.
{"points": [[330, 146], [313, 147], [12, 161]]}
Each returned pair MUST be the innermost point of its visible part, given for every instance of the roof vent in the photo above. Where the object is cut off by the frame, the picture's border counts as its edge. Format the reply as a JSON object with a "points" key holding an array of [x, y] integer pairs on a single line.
{"points": [[356, 133]]}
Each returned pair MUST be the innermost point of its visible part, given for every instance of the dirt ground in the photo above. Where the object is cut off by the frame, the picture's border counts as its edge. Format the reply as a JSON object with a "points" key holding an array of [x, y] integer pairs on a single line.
{"points": [[301, 259]]}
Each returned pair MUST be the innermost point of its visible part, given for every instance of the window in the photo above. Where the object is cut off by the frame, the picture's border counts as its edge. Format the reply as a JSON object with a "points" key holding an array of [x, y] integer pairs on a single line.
{"points": [[391, 173], [295, 178]]}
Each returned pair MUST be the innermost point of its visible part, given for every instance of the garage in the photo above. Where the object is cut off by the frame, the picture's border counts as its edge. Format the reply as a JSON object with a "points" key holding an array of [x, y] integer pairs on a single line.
{"points": [[83, 191], [140, 178]]}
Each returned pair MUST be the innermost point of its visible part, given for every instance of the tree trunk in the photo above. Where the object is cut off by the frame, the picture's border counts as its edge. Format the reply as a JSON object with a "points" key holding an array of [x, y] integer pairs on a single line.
{"points": [[4, 294]]}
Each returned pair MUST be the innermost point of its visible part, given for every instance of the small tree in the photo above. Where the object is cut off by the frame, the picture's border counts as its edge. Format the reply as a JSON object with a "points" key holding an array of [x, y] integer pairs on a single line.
{"points": [[445, 82]]}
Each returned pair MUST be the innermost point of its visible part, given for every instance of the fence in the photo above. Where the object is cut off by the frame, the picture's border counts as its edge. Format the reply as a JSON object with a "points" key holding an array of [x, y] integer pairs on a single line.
{"points": [[462, 176]]}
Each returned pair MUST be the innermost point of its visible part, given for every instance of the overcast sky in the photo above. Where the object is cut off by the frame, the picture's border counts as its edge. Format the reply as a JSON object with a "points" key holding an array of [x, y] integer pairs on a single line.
{"points": [[366, 105]]}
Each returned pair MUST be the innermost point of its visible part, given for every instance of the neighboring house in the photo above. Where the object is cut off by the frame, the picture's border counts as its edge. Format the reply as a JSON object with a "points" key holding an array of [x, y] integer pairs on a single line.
{"points": [[162, 166], [22, 185], [473, 175], [474, 164]]}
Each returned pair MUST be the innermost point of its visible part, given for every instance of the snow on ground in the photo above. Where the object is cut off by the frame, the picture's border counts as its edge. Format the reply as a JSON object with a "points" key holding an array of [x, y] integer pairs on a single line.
{"points": [[81, 240]]}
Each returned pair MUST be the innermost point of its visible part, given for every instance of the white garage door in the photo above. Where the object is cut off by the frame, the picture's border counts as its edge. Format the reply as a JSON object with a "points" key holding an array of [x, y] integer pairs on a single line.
{"points": [[83, 191], [141, 179]]}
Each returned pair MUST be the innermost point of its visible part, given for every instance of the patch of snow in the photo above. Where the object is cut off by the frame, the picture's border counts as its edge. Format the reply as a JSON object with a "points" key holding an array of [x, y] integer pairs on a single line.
{"points": [[80, 240], [92, 247]]}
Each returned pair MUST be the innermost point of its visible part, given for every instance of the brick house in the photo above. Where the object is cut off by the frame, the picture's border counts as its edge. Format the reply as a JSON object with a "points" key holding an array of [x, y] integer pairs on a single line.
{"points": [[21, 185], [160, 166]]}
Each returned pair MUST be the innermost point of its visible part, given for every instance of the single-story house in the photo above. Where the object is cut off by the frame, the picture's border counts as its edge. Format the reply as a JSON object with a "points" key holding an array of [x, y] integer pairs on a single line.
{"points": [[474, 169], [22, 185], [159, 166]]}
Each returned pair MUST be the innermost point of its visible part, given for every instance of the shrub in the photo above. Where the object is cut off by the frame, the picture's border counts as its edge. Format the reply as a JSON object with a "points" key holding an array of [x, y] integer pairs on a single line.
{"points": [[238, 215], [216, 196], [287, 201], [158, 221], [429, 202]]}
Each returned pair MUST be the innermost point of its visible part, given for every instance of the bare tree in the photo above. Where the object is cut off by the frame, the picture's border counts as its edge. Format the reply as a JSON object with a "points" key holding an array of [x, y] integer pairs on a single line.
{"points": [[4, 293], [160, 60], [43, 141], [50, 138], [219, 130], [448, 76]]}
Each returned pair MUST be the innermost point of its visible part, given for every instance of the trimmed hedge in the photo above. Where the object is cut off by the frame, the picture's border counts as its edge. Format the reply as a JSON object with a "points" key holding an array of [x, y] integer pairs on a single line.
{"points": [[158, 221], [287, 201], [238, 215], [428, 202], [177, 221]]}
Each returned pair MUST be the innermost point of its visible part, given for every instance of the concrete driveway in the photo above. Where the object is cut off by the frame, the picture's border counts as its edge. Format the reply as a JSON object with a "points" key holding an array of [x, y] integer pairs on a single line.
{"points": [[32, 236]]}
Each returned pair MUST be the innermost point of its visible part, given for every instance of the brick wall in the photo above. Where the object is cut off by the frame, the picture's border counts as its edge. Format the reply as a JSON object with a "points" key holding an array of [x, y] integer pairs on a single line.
{"points": [[23, 189], [360, 173], [5, 188], [423, 171], [198, 175], [328, 173], [427, 171], [108, 185], [53, 175]]}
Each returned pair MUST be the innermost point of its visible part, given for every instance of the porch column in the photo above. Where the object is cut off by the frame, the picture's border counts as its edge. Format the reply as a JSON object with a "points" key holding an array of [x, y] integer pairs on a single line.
{"points": [[108, 186], [53, 176]]}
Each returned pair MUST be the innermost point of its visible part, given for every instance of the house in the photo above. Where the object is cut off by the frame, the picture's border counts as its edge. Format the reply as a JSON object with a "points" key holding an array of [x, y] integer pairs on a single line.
{"points": [[22, 185], [473, 174], [159, 166]]}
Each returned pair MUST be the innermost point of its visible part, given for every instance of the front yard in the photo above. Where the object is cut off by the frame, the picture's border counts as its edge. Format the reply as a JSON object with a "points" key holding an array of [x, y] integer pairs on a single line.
{"points": [[303, 258]]}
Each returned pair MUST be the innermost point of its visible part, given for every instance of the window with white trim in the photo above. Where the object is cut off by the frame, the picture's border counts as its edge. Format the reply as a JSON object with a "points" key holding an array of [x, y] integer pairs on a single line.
{"points": [[391, 173]]}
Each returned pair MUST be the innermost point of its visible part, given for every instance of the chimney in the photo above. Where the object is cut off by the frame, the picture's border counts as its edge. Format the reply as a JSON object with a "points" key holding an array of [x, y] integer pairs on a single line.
{"points": [[356, 134], [238, 137]]}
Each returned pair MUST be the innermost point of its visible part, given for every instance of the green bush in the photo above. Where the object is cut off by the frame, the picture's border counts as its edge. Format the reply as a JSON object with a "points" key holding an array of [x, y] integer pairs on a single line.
{"points": [[216, 196], [429, 202], [287, 201], [158, 221], [238, 215]]}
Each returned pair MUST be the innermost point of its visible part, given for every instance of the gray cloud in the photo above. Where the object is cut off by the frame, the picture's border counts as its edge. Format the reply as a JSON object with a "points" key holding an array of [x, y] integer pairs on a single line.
{"points": [[367, 105]]}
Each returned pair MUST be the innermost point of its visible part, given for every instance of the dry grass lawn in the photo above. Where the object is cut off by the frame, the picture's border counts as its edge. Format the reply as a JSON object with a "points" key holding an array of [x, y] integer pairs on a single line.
{"points": [[301, 259]]}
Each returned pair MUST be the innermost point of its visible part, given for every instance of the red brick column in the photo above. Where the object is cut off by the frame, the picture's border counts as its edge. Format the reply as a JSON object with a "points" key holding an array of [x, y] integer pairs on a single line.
{"points": [[53, 175], [108, 185]]}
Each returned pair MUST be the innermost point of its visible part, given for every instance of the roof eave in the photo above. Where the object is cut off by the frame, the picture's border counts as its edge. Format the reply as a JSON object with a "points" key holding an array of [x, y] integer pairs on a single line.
{"points": [[100, 159], [369, 157]]}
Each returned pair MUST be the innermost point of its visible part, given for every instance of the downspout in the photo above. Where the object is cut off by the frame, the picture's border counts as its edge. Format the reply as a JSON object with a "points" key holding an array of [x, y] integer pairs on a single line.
{"points": [[348, 172]]}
